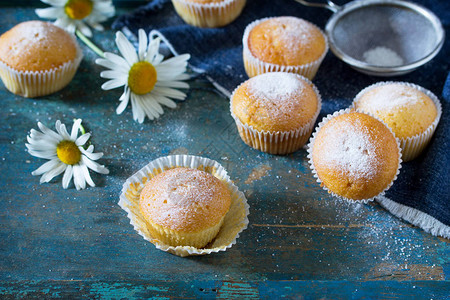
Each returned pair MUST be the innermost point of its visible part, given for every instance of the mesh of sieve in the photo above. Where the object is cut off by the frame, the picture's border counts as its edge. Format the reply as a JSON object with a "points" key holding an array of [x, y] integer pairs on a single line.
{"points": [[383, 37]]}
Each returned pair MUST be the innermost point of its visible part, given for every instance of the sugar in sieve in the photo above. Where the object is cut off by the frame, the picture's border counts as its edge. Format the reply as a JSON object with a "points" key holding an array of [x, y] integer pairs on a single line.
{"points": [[382, 37]]}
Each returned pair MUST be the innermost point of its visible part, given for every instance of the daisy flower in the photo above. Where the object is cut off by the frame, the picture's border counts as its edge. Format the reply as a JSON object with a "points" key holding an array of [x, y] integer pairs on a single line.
{"points": [[148, 80], [73, 14], [66, 154]]}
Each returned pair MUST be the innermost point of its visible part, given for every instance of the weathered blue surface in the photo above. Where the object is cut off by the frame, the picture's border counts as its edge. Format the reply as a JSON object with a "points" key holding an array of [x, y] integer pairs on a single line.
{"points": [[300, 242]]}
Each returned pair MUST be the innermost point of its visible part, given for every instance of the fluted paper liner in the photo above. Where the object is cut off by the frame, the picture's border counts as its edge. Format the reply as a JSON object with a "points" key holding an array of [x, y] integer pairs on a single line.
{"points": [[236, 220], [215, 14], [254, 66], [277, 142], [40, 83], [414, 145], [313, 169]]}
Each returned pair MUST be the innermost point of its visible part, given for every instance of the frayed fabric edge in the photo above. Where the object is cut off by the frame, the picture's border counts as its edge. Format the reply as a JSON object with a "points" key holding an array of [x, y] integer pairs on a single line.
{"points": [[415, 217]]}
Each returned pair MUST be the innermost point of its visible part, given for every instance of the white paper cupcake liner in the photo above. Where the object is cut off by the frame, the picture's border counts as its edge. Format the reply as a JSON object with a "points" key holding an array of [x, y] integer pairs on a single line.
{"points": [[277, 142], [411, 146], [214, 14], [313, 169], [40, 83], [236, 220], [254, 66]]}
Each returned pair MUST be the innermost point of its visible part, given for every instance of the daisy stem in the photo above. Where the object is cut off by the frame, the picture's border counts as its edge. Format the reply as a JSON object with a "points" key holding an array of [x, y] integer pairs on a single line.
{"points": [[90, 44]]}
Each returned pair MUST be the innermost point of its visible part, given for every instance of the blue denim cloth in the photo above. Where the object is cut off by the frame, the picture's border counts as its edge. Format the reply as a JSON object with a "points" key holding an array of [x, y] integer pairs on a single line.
{"points": [[423, 184]]}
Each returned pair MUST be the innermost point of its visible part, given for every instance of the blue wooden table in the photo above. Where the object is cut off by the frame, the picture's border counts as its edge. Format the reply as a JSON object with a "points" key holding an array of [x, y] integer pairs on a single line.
{"points": [[300, 242]]}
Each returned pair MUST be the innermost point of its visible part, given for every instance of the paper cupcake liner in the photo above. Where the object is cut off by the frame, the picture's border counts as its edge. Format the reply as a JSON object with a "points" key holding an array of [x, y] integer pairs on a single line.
{"points": [[277, 142], [313, 169], [236, 220], [254, 66], [411, 146], [214, 14], [39, 83]]}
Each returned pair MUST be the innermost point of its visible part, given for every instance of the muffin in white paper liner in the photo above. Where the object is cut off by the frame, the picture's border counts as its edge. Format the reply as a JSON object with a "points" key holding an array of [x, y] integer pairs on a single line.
{"points": [[277, 142], [414, 145], [311, 162], [213, 14], [254, 66], [40, 83], [236, 220]]}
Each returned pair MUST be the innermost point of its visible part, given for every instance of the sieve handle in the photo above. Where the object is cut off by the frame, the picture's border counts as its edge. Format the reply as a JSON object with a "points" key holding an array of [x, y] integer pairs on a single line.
{"points": [[329, 5]]}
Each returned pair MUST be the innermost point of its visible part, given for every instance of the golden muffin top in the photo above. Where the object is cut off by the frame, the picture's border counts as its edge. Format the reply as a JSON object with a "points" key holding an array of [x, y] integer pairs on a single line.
{"points": [[36, 46], [355, 156], [405, 109], [275, 102], [286, 41], [185, 200]]}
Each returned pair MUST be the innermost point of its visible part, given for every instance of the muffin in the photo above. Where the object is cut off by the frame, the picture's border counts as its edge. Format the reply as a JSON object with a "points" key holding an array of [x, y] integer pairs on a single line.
{"points": [[283, 44], [37, 58], [184, 206], [208, 13], [411, 111], [275, 112], [354, 156]]}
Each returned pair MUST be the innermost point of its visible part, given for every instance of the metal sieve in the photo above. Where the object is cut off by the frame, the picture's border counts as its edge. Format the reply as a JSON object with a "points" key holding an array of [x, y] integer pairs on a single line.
{"points": [[382, 37]]}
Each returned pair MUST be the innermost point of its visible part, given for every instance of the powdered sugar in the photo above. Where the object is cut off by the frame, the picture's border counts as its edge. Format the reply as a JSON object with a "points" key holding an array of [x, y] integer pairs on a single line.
{"points": [[275, 87], [383, 57], [352, 150], [390, 96]]}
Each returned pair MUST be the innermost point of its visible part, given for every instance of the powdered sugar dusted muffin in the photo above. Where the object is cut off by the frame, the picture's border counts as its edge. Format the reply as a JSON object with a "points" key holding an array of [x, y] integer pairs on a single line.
{"points": [[184, 206], [209, 13], [37, 58], [285, 44], [354, 156], [409, 110], [275, 112]]}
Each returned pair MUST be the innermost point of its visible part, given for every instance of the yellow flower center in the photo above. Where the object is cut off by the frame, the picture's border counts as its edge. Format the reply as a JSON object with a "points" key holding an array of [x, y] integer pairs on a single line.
{"points": [[78, 9], [142, 77], [68, 152]]}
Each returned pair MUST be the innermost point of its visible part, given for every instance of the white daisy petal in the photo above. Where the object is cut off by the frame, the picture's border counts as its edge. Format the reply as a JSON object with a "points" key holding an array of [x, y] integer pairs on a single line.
{"points": [[142, 44], [173, 84], [114, 74], [62, 131], [151, 100], [166, 101], [84, 29], [112, 84], [126, 48], [94, 166], [111, 65], [82, 139], [75, 128], [46, 167], [172, 93], [180, 60], [152, 50], [86, 175], [43, 154], [90, 155], [119, 61], [78, 178], [53, 173], [48, 13], [67, 177], [56, 3], [125, 98], [49, 132], [145, 104]]}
